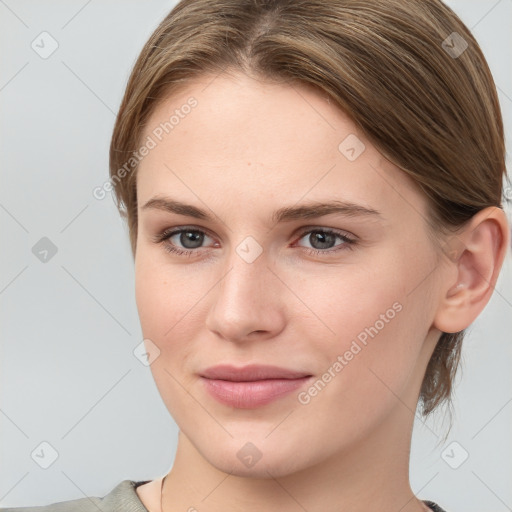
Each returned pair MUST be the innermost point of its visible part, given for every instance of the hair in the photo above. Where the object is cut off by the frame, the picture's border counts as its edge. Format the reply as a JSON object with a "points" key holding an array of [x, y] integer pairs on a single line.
{"points": [[424, 96]]}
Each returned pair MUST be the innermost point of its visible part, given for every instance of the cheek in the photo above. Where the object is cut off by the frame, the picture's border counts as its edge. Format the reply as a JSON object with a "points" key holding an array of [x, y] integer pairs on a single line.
{"points": [[165, 306], [355, 303], [166, 296], [380, 322]]}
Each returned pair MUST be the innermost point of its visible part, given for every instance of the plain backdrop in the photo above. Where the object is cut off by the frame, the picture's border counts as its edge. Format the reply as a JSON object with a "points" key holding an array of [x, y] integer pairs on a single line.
{"points": [[69, 377]]}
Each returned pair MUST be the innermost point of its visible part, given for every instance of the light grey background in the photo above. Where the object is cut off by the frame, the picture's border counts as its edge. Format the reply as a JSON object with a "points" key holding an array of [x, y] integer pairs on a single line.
{"points": [[69, 326]]}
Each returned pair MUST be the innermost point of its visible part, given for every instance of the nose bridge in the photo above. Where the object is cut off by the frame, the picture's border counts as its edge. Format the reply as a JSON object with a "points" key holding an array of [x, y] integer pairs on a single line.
{"points": [[247, 273], [244, 300]]}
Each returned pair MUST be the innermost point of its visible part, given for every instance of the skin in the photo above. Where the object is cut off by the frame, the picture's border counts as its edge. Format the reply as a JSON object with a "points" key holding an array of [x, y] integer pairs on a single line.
{"points": [[249, 148]]}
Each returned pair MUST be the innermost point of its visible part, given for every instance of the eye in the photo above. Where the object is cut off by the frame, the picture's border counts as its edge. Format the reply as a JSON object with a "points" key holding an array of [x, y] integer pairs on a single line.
{"points": [[186, 241], [190, 240], [323, 241]]}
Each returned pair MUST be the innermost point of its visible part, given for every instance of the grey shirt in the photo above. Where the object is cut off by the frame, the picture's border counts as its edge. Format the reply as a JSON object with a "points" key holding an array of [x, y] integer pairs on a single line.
{"points": [[122, 498]]}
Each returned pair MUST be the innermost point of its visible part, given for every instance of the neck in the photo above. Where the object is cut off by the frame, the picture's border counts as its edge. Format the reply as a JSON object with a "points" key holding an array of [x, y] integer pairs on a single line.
{"points": [[373, 475]]}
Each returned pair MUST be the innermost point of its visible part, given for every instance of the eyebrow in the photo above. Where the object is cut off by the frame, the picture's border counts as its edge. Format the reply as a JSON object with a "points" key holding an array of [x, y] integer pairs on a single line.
{"points": [[285, 214]]}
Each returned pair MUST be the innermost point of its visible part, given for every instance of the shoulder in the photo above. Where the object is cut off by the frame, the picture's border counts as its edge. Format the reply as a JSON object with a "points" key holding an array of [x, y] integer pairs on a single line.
{"points": [[122, 498]]}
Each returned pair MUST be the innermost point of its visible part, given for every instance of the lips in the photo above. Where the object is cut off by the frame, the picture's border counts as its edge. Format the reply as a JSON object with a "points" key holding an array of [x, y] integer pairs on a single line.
{"points": [[251, 386], [251, 373]]}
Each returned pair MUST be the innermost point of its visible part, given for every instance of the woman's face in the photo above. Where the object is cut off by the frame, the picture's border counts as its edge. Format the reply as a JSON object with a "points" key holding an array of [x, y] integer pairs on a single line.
{"points": [[347, 297]]}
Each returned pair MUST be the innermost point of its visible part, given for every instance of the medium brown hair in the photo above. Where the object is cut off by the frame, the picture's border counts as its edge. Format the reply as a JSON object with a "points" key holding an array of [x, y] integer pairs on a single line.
{"points": [[407, 72]]}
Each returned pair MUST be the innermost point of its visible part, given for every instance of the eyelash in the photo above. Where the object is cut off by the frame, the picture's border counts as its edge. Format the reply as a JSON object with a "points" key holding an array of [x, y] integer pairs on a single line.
{"points": [[348, 242]]}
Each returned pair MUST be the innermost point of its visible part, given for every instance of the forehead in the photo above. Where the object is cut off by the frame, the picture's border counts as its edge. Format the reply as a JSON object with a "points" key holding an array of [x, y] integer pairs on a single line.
{"points": [[235, 136], [234, 109]]}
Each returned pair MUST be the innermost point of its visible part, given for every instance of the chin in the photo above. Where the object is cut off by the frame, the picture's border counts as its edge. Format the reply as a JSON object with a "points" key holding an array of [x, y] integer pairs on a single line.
{"points": [[276, 466], [261, 459]]}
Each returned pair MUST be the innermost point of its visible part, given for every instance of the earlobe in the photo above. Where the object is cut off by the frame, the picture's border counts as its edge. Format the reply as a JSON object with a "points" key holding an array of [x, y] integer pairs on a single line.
{"points": [[484, 242]]}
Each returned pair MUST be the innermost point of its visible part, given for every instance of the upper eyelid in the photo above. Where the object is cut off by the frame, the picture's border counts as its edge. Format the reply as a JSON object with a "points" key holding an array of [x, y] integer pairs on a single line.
{"points": [[173, 231], [337, 231]]}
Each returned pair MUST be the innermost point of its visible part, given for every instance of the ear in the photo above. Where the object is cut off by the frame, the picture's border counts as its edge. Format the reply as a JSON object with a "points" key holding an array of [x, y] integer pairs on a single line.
{"points": [[474, 258]]}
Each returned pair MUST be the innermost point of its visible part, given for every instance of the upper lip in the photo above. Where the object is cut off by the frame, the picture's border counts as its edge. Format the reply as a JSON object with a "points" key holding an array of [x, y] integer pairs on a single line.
{"points": [[251, 373]]}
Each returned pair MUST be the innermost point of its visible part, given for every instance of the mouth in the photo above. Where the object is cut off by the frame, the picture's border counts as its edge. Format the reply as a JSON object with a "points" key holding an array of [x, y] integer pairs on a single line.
{"points": [[251, 386]]}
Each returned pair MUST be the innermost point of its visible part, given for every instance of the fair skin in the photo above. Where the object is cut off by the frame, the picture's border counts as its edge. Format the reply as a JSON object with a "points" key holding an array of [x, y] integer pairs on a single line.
{"points": [[248, 149]]}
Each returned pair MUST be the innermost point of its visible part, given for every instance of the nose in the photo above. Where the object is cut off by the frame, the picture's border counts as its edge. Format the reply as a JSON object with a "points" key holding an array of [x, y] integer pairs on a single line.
{"points": [[246, 303]]}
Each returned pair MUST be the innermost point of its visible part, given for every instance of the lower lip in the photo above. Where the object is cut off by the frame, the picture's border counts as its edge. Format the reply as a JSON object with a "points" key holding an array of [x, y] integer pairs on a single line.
{"points": [[248, 395]]}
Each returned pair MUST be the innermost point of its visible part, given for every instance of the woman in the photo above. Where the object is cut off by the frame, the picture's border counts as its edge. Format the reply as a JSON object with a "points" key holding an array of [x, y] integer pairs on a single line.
{"points": [[313, 193]]}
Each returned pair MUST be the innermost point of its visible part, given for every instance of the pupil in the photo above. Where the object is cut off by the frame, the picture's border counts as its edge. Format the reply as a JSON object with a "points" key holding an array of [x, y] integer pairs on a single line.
{"points": [[324, 239], [191, 236]]}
